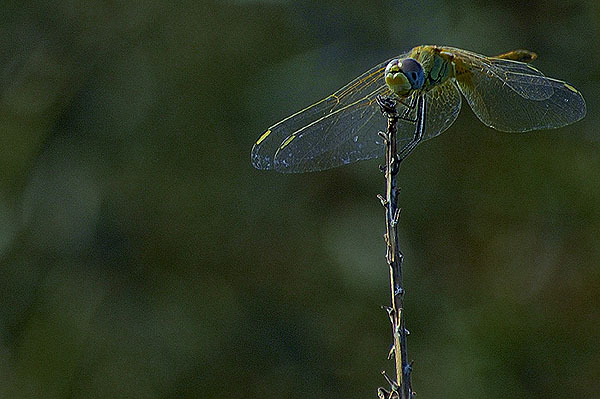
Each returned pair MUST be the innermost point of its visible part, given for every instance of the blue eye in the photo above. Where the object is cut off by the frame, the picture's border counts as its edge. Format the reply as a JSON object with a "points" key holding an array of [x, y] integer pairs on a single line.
{"points": [[413, 71]]}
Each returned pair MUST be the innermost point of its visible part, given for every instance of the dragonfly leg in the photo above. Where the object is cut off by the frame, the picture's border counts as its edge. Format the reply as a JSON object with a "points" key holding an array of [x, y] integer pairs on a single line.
{"points": [[384, 136], [411, 104], [408, 119], [419, 130], [409, 108]]}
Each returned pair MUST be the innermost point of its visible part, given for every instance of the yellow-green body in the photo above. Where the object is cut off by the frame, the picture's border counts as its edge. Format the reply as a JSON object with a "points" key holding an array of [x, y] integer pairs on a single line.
{"points": [[437, 68], [504, 91], [439, 64]]}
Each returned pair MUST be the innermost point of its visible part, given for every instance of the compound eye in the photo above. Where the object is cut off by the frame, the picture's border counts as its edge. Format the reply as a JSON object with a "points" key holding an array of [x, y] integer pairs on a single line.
{"points": [[413, 71]]}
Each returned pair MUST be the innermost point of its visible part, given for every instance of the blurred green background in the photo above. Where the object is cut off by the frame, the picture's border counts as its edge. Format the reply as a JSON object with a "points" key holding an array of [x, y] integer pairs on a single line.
{"points": [[143, 257]]}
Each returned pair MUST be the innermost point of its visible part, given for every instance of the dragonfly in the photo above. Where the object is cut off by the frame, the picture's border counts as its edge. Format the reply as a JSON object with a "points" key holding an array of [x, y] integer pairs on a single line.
{"points": [[505, 92]]}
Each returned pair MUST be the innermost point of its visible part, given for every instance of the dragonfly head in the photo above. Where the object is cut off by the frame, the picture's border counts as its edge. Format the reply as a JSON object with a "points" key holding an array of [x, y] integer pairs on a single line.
{"points": [[405, 75]]}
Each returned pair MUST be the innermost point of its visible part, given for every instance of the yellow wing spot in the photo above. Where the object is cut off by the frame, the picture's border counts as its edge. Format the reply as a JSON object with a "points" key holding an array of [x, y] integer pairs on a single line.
{"points": [[264, 136], [287, 141], [568, 86]]}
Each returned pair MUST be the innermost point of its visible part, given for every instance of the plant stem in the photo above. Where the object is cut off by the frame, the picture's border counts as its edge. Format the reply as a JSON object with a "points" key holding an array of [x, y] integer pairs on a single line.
{"points": [[402, 387]]}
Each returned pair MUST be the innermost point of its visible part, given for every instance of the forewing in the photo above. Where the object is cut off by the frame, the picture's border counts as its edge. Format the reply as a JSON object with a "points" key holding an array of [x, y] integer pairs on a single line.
{"points": [[344, 136], [513, 96], [352, 97], [351, 133]]}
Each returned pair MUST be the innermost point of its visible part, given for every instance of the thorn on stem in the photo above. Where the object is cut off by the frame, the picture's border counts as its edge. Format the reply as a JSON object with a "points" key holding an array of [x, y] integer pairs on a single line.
{"points": [[399, 291], [393, 384], [391, 352], [408, 369], [382, 199], [384, 136], [390, 312]]}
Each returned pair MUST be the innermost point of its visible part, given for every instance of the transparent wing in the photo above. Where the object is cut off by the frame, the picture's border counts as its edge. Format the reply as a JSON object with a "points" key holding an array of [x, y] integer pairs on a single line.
{"points": [[443, 106], [513, 96], [344, 136], [351, 133], [356, 98]]}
